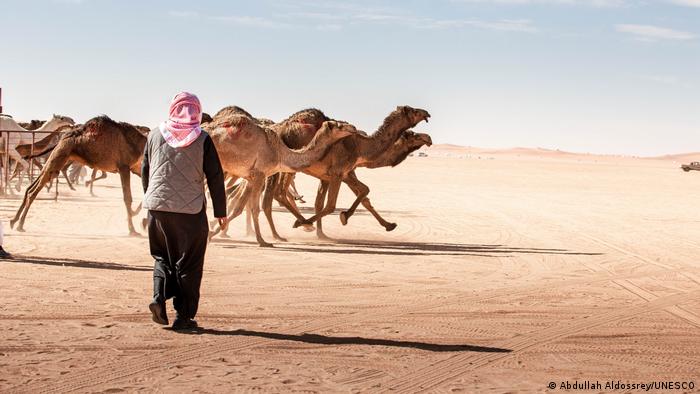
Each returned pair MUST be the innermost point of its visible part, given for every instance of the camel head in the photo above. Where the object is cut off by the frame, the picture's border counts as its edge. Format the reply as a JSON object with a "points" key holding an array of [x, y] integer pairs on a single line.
{"points": [[337, 129], [414, 115], [408, 143], [420, 139], [58, 121]]}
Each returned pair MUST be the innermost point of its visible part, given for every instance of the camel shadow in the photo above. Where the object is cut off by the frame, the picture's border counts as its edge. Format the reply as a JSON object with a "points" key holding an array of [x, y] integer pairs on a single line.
{"points": [[364, 251], [330, 340], [97, 237], [391, 248], [309, 211], [451, 247], [74, 263]]}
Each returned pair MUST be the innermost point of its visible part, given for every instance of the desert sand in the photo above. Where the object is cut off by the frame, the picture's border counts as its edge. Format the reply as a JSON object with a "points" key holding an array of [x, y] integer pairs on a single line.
{"points": [[508, 270]]}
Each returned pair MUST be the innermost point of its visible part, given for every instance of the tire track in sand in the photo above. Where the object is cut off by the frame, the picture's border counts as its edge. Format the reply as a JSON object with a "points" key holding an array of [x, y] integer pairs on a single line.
{"points": [[431, 376]]}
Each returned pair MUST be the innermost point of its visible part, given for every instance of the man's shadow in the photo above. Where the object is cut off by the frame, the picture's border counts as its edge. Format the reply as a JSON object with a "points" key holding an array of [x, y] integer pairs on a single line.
{"points": [[330, 340]]}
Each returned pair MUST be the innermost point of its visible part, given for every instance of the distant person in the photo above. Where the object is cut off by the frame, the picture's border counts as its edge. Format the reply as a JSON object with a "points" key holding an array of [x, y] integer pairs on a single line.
{"points": [[177, 158], [3, 253]]}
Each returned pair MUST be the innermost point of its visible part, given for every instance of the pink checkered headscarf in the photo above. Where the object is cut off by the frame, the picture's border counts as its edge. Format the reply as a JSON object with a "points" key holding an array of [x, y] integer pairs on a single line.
{"points": [[182, 127]]}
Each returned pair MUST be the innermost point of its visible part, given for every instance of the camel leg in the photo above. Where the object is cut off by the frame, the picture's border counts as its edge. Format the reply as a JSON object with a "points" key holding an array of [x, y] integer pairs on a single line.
{"points": [[283, 199], [29, 196], [16, 171], [359, 189], [91, 181], [333, 189], [125, 175], [257, 183], [58, 158], [248, 223], [231, 185], [318, 205], [37, 163], [234, 195], [94, 178], [293, 193], [267, 208], [23, 164], [236, 206], [64, 171], [233, 189]]}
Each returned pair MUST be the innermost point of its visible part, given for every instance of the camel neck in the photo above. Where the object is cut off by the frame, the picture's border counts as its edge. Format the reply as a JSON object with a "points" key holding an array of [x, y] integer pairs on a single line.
{"points": [[383, 138], [47, 126]]}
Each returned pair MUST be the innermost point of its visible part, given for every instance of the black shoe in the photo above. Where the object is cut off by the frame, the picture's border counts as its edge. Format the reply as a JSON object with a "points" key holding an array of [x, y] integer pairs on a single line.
{"points": [[184, 324], [159, 314], [4, 254]]}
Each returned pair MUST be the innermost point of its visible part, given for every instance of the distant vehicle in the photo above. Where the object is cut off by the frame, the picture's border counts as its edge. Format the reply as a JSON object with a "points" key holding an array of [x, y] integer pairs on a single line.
{"points": [[423, 154], [692, 166]]}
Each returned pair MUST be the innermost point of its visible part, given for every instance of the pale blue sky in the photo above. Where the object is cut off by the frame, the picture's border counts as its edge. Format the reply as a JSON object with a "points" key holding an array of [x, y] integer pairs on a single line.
{"points": [[605, 76]]}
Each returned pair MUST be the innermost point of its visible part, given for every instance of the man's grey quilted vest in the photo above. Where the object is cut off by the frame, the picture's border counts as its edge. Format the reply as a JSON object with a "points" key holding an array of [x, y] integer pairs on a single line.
{"points": [[176, 176]]}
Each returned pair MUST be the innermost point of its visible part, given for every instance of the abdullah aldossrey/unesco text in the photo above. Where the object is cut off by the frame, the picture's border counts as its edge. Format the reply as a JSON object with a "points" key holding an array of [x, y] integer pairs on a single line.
{"points": [[619, 385]]}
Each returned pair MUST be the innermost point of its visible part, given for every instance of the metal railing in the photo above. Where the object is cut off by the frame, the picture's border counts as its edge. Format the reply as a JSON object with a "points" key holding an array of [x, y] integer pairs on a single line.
{"points": [[6, 171]]}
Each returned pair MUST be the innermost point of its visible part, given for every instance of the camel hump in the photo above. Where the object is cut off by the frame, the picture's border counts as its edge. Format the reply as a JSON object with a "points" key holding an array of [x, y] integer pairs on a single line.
{"points": [[312, 116], [234, 125], [232, 110]]}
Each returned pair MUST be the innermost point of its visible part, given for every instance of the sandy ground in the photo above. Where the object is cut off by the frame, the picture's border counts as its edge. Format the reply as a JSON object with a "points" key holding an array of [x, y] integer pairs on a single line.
{"points": [[505, 273]]}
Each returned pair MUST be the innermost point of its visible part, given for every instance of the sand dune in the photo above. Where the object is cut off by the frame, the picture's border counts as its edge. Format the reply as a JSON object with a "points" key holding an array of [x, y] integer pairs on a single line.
{"points": [[503, 276], [451, 150]]}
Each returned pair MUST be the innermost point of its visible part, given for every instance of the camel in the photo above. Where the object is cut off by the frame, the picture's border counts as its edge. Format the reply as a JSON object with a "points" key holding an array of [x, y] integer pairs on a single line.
{"points": [[7, 123], [44, 146], [305, 122], [248, 150], [231, 185], [407, 143], [296, 131], [301, 125], [32, 124], [337, 165], [100, 143]]}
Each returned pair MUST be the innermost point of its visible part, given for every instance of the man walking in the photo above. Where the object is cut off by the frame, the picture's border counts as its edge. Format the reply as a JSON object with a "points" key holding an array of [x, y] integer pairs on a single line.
{"points": [[177, 159]]}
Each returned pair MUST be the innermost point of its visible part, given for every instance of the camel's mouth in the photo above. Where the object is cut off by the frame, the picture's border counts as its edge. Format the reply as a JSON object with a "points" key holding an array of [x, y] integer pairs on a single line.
{"points": [[425, 139]]}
